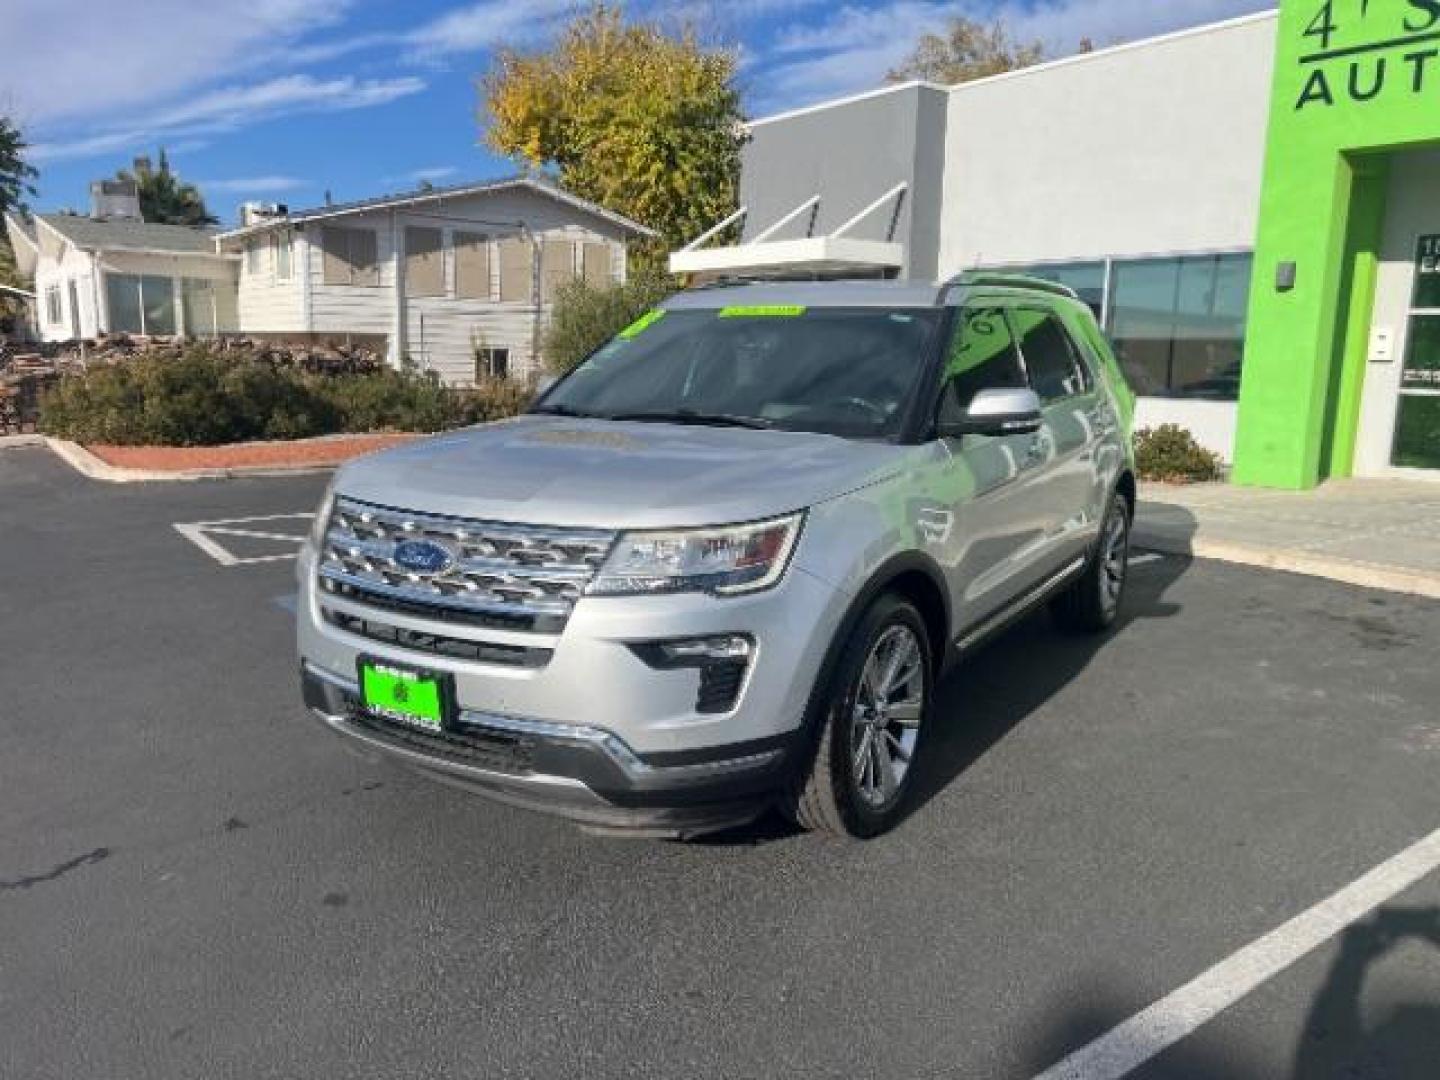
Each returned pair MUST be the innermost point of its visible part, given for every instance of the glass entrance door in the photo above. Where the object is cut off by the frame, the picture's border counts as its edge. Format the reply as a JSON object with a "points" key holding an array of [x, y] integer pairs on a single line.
{"points": [[1417, 422]]}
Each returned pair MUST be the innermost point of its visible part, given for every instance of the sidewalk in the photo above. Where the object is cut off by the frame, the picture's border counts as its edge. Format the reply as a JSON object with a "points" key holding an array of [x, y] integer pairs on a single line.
{"points": [[1383, 534]]}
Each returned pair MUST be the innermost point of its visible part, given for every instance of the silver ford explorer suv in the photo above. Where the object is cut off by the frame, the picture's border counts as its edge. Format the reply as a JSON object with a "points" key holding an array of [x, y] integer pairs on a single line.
{"points": [[721, 565]]}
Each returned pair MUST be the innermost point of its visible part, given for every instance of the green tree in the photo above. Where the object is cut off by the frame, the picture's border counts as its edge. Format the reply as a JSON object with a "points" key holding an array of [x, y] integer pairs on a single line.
{"points": [[967, 50], [641, 121], [164, 197], [587, 316], [17, 180]]}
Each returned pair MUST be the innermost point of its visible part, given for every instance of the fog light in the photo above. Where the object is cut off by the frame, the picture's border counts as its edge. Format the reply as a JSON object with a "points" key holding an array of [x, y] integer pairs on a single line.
{"points": [[689, 651], [721, 659]]}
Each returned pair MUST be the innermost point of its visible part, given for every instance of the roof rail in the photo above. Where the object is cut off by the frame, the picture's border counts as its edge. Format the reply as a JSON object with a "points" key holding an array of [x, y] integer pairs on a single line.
{"points": [[1001, 279]]}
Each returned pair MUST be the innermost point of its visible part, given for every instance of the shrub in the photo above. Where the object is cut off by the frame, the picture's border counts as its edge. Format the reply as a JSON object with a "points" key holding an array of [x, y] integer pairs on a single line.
{"points": [[1170, 454], [204, 396], [491, 399], [585, 317]]}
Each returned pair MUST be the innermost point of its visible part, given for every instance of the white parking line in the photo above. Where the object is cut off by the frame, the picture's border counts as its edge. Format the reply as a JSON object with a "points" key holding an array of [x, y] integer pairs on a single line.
{"points": [[1151, 1032], [203, 535]]}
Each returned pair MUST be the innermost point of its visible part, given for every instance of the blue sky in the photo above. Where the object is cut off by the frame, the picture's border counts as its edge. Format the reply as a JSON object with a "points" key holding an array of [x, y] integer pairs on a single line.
{"points": [[285, 99]]}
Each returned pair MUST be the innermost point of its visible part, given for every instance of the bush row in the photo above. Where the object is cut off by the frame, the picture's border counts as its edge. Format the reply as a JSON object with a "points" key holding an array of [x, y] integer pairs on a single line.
{"points": [[200, 397]]}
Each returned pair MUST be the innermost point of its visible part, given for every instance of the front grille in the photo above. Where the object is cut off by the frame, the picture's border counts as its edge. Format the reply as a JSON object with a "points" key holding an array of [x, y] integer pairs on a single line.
{"points": [[485, 748], [438, 644], [533, 575]]}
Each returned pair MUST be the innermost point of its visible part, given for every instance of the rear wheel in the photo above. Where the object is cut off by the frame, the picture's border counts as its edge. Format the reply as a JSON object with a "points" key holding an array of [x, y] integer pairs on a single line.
{"points": [[877, 704], [1092, 603]]}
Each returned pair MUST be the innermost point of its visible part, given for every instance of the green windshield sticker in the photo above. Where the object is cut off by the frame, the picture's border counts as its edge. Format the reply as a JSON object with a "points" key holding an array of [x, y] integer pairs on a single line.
{"points": [[640, 325], [763, 311]]}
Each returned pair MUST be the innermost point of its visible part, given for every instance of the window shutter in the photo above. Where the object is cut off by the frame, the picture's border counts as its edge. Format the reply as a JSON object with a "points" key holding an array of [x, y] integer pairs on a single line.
{"points": [[472, 266], [364, 257], [336, 245], [597, 263], [557, 266], [516, 264], [424, 262]]}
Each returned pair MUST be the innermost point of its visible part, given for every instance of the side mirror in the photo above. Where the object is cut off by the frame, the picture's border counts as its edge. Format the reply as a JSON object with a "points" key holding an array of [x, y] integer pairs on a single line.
{"points": [[995, 413]]}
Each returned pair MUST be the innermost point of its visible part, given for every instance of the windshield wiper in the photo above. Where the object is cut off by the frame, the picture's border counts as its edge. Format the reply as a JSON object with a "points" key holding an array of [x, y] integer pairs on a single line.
{"points": [[698, 419], [565, 410]]}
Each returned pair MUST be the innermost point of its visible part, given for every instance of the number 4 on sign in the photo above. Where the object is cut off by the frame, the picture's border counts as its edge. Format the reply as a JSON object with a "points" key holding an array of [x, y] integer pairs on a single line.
{"points": [[1323, 25]]}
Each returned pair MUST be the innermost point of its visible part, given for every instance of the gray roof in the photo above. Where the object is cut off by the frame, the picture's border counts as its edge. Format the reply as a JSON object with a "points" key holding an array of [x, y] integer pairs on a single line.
{"points": [[427, 194], [109, 234]]}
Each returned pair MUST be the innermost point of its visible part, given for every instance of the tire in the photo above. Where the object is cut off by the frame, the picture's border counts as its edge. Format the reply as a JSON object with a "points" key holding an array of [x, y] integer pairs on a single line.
{"points": [[839, 792], [1092, 604]]}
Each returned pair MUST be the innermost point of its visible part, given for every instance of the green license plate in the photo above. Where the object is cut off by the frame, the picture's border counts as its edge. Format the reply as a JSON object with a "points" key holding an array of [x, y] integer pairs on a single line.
{"points": [[410, 697]]}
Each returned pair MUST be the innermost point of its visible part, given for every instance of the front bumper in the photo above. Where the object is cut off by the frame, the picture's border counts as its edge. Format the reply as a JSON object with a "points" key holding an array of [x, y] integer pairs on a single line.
{"points": [[584, 774]]}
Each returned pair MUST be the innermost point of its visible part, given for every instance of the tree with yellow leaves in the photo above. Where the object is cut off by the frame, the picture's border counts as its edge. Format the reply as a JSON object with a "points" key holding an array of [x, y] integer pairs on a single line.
{"points": [[643, 122]]}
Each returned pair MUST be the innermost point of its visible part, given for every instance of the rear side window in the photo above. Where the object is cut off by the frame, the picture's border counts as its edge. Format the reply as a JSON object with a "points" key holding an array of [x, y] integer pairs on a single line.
{"points": [[982, 356], [1050, 355]]}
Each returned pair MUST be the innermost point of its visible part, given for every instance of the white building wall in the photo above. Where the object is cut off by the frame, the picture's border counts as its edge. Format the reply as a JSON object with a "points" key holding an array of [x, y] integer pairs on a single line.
{"points": [[441, 331], [265, 301], [75, 266], [1147, 149]]}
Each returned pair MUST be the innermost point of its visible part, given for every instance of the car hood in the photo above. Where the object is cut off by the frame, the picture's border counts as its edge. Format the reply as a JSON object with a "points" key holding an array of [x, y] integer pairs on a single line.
{"points": [[606, 474]]}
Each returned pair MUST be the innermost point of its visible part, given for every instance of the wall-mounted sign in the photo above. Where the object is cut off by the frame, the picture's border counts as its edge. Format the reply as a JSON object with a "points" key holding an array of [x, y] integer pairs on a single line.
{"points": [[1427, 273], [1357, 51]]}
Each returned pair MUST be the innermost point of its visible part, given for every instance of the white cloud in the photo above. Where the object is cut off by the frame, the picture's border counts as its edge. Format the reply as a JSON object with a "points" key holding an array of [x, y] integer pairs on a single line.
{"points": [[230, 108], [480, 26], [854, 48], [253, 185], [66, 60]]}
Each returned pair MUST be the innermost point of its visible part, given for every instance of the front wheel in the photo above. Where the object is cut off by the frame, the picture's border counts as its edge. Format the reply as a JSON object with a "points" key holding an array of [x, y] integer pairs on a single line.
{"points": [[1092, 603], [877, 704]]}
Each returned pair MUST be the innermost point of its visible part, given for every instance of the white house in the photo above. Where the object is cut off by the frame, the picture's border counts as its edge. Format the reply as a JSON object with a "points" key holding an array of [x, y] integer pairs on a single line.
{"points": [[112, 271], [458, 279]]}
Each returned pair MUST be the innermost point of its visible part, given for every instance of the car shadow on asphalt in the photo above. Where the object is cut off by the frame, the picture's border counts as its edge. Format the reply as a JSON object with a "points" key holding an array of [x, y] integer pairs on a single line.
{"points": [[1347, 1033], [993, 690], [980, 700]]}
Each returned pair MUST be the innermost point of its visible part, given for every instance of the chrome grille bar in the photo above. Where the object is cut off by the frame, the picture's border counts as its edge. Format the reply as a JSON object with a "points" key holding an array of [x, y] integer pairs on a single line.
{"points": [[498, 568]]}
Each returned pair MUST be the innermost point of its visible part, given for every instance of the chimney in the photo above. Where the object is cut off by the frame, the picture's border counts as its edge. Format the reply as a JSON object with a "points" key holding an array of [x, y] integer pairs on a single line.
{"points": [[253, 213], [115, 200]]}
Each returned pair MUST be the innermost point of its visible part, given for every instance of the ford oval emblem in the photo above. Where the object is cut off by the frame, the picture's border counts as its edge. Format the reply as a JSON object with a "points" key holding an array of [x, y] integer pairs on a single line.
{"points": [[423, 556]]}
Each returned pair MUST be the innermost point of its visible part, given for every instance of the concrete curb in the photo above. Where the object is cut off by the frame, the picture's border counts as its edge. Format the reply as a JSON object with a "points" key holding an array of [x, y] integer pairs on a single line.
{"points": [[87, 464], [1347, 571]]}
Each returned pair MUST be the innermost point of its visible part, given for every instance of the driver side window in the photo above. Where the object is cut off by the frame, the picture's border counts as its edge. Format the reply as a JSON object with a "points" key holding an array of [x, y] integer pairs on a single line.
{"points": [[982, 356]]}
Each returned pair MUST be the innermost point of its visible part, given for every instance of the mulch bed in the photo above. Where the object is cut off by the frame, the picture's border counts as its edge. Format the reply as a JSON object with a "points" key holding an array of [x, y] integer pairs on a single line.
{"points": [[331, 450]]}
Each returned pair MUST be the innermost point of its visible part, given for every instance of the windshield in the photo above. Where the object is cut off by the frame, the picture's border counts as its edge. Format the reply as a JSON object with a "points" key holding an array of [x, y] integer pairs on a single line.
{"points": [[840, 371]]}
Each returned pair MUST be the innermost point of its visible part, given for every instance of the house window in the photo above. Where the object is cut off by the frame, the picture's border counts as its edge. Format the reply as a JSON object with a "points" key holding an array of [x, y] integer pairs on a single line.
{"points": [[140, 304], [472, 266], [197, 303], [557, 267], [281, 254], [351, 256], [254, 250], [596, 265], [517, 265], [424, 262], [492, 363], [54, 306]]}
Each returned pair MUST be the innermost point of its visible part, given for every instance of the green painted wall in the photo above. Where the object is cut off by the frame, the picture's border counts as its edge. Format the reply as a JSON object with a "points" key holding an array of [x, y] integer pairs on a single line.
{"points": [[1354, 80]]}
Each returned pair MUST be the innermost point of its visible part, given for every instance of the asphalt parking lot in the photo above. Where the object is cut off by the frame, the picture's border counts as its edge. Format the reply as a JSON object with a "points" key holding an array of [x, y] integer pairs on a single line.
{"points": [[197, 881]]}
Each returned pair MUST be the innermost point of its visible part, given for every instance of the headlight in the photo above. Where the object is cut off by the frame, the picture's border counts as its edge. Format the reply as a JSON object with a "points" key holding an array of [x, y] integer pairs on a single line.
{"points": [[727, 560], [321, 524]]}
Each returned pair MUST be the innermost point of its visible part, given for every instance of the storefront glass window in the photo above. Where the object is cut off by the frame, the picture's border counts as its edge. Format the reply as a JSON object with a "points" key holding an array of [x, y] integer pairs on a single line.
{"points": [[1179, 324], [1417, 432]]}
